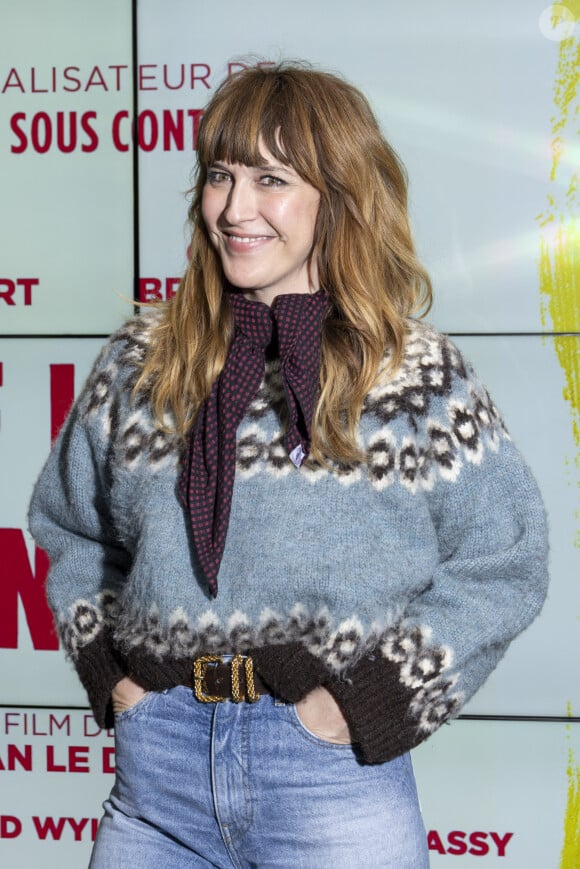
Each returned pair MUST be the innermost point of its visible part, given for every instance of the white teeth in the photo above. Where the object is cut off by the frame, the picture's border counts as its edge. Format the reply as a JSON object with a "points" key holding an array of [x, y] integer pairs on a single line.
{"points": [[247, 239]]}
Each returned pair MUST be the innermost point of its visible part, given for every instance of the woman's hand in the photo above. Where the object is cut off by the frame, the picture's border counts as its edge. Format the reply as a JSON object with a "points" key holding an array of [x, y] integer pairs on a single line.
{"points": [[320, 714], [125, 694]]}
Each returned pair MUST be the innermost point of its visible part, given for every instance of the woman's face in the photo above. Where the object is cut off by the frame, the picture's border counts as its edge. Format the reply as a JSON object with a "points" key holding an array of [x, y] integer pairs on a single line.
{"points": [[261, 220]]}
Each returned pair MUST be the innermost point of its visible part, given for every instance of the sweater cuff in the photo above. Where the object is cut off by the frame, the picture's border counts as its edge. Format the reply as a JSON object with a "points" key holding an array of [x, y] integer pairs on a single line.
{"points": [[289, 670], [386, 717], [99, 671]]}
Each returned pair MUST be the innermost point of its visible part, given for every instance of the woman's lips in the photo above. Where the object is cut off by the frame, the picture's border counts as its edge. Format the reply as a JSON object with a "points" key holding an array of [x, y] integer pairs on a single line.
{"points": [[245, 243]]}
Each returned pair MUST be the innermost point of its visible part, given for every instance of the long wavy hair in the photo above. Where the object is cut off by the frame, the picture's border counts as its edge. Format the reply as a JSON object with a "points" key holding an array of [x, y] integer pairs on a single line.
{"points": [[363, 249]]}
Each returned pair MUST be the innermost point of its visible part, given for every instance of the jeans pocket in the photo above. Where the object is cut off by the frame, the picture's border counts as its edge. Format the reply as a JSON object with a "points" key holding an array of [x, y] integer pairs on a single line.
{"points": [[311, 737], [137, 707]]}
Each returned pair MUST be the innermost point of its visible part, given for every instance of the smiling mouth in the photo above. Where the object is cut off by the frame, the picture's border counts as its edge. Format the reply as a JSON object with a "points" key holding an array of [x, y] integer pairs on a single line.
{"points": [[246, 239]]}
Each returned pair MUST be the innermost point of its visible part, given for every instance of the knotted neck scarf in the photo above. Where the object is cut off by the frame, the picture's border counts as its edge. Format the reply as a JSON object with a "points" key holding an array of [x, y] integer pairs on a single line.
{"points": [[293, 323]]}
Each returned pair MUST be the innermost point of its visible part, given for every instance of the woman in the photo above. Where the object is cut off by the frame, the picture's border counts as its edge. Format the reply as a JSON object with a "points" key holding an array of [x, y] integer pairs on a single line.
{"points": [[289, 533]]}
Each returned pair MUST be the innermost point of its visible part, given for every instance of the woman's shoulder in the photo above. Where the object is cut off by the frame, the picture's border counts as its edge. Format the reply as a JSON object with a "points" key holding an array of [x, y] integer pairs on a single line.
{"points": [[429, 360], [426, 346], [117, 367], [128, 344], [126, 348], [433, 382]]}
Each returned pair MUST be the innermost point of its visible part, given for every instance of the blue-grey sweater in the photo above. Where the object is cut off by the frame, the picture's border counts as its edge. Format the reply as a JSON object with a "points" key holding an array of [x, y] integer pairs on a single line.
{"points": [[397, 583]]}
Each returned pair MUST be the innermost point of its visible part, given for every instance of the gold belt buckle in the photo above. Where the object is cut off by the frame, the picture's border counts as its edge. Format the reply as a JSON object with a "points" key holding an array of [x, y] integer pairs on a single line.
{"points": [[248, 664], [200, 666], [199, 671]]}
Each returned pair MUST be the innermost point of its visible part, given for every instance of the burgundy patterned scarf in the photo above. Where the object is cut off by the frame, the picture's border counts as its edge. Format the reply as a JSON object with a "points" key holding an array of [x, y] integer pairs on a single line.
{"points": [[293, 322]]}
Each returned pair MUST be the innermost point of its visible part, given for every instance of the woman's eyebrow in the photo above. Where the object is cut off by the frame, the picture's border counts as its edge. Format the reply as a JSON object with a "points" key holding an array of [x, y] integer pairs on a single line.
{"points": [[260, 167], [275, 167]]}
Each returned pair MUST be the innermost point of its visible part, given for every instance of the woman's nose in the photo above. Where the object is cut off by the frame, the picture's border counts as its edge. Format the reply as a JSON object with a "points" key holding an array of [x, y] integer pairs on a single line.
{"points": [[241, 203]]}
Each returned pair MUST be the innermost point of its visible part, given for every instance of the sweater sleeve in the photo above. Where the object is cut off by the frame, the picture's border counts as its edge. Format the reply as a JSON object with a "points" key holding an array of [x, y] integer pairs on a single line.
{"points": [[69, 517], [488, 584]]}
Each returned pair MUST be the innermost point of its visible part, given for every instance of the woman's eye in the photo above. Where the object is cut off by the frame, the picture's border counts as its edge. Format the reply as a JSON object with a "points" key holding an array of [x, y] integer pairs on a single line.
{"points": [[271, 181], [216, 176]]}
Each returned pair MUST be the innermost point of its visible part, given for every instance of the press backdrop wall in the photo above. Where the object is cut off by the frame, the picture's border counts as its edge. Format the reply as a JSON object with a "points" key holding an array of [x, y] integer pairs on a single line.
{"points": [[99, 106]]}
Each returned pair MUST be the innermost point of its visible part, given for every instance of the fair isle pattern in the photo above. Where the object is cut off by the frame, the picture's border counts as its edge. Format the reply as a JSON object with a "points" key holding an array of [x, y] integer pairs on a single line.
{"points": [[424, 670], [84, 621], [137, 438], [339, 647], [430, 365], [270, 395], [132, 339]]}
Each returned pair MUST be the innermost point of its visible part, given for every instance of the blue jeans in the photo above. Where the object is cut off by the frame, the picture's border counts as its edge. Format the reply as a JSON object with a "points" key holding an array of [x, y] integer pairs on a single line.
{"points": [[246, 785]]}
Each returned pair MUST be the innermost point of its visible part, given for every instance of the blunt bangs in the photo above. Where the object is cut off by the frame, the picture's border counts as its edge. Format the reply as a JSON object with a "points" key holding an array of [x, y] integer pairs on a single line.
{"points": [[247, 114]]}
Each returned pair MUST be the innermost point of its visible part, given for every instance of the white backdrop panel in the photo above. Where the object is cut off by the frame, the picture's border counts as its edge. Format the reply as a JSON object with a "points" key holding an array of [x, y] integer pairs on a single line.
{"points": [[29, 675], [57, 768], [498, 777], [66, 216], [449, 89]]}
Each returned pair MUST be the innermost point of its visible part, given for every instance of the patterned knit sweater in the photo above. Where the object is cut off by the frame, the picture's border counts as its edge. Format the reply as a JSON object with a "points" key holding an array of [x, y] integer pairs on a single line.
{"points": [[397, 584]]}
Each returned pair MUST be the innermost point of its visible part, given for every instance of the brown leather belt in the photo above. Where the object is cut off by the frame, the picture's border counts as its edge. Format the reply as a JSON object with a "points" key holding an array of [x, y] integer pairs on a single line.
{"points": [[216, 678]]}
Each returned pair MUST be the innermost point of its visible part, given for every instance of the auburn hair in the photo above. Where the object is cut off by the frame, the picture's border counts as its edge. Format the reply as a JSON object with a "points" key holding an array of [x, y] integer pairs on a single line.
{"points": [[363, 248]]}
